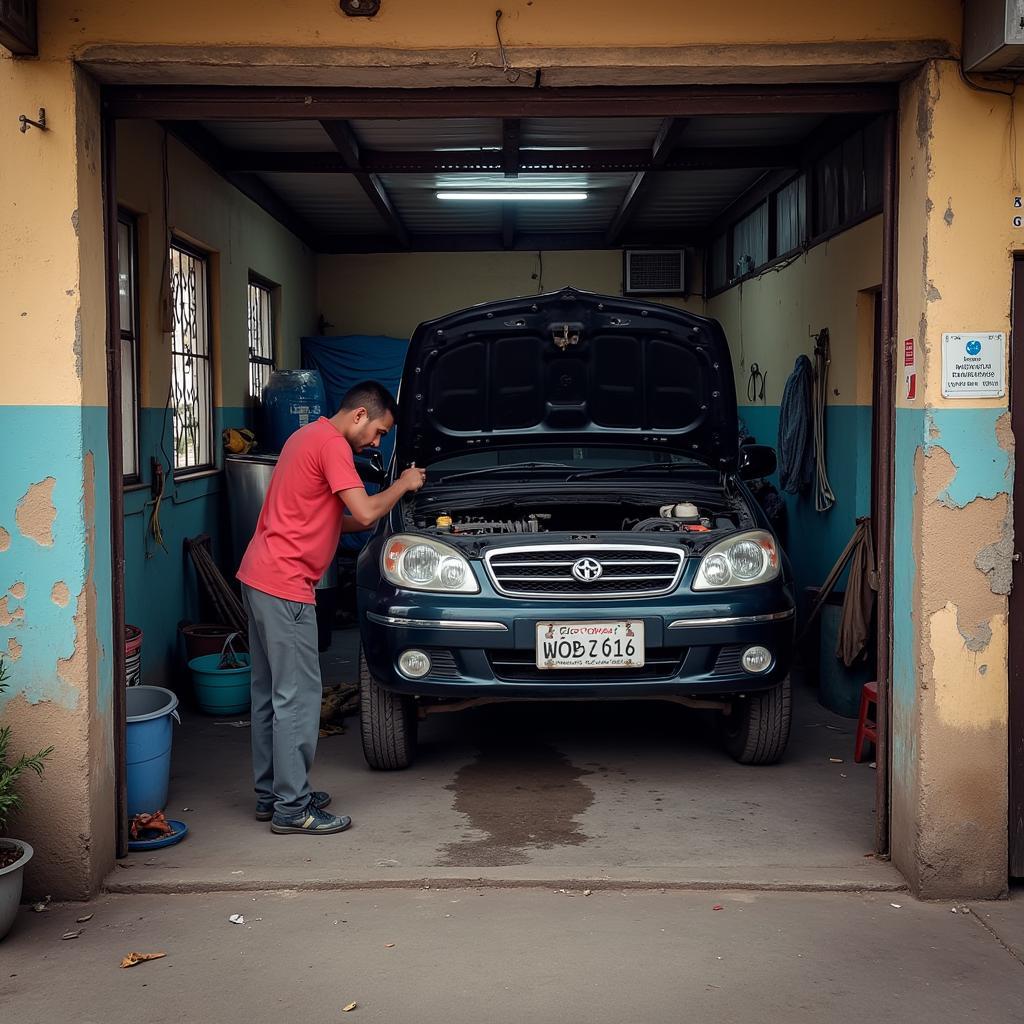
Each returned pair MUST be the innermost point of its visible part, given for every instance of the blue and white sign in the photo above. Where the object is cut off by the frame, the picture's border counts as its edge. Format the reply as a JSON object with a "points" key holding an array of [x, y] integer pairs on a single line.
{"points": [[973, 365]]}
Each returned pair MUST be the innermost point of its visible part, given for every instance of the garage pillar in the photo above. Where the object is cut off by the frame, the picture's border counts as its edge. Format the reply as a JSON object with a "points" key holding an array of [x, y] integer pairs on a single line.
{"points": [[954, 463], [55, 570]]}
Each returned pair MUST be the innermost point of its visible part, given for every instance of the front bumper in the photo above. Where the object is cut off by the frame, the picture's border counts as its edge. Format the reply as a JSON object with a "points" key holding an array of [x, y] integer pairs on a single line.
{"points": [[484, 646]]}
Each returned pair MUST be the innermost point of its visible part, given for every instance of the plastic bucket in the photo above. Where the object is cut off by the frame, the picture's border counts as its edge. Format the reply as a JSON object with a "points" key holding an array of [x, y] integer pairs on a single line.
{"points": [[204, 638], [148, 747], [132, 655], [221, 691]]}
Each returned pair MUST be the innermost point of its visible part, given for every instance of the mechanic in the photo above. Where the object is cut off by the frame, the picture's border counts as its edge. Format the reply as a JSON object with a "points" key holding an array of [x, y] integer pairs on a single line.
{"points": [[315, 495]]}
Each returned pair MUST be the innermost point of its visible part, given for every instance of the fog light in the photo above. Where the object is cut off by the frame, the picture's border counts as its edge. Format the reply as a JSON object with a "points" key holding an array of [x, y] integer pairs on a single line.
{"points": [[414, 664], [757, 660]]}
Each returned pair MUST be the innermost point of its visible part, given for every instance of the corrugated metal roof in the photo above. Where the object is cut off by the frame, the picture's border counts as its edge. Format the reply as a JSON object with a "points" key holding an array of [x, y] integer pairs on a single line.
{"points": [[765, 130], [271, 136], [427, 134], [590, 132], [690, 199], [331, 203], [415, 199]]}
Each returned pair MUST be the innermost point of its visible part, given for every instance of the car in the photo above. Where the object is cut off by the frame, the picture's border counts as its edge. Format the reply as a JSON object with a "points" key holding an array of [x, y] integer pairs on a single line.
{"points": [[586, 530]]}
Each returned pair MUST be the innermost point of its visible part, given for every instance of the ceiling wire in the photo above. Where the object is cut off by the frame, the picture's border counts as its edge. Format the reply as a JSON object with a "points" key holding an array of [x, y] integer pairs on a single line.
{"points": [[512, 73]]}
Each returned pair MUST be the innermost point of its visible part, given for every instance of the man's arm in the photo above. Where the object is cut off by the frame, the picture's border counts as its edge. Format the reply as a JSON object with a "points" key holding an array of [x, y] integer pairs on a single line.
{"points": [[365, 509]]}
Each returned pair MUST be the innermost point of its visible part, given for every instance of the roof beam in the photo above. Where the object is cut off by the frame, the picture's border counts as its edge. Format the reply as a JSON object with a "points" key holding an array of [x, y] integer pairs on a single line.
{"points": [[511, 132], [495, 242], [347, 145], [540, 161], [666, 142], [509, 216], [209, 149]]}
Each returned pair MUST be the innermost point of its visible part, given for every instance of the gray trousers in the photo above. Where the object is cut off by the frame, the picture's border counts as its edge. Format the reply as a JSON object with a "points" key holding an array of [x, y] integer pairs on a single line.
{"points": [[286, 695]]}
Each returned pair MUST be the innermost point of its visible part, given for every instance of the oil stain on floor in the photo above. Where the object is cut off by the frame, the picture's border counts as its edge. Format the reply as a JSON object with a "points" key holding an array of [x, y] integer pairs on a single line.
{"points": [[522, 795]]}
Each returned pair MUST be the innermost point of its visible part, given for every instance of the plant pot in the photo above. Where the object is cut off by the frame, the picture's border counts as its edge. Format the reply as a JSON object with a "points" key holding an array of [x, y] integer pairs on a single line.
{"points": [[205, 638], [11, 878]]}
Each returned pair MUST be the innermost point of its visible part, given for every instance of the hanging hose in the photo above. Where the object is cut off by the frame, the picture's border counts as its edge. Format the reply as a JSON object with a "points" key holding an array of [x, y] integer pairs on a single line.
{"points": [[795, 447], [824, 499]]}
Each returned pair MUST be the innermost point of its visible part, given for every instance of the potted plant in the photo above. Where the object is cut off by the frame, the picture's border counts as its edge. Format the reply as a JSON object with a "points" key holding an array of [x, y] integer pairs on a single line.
{"points": [[14, 854]]}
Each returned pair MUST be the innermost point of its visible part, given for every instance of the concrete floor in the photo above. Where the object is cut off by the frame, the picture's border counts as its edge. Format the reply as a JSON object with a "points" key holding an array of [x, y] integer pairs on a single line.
{"points": [[601, 795], [470, 955]]}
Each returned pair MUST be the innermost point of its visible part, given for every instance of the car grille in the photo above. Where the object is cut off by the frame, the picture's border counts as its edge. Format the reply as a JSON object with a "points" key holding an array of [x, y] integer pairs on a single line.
{"points": [[442, 663], [546, 571], [516, 666]]}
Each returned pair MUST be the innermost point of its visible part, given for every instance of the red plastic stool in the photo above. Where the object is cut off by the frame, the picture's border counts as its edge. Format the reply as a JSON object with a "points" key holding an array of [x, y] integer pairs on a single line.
{"points": [[867, 725]]}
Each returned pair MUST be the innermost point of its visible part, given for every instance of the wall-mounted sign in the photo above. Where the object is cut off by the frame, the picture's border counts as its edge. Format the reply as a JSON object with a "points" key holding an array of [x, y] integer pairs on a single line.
{"points": [[973, 365], [909, 370]]}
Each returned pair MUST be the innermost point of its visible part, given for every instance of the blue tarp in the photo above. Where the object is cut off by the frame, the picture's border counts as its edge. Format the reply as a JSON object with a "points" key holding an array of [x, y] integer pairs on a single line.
{"points": [[347, 360]]}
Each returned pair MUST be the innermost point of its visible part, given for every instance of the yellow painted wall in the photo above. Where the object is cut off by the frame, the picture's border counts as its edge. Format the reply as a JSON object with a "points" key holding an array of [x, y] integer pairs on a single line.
{"points": [[67, 25], [241, 237], [390, 293], [769, 320]]}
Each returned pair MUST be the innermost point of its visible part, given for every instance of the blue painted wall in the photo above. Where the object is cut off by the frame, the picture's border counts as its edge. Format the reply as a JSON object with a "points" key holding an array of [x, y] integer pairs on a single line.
{"points": [[814, 540], [161, 589], [44, 442]]}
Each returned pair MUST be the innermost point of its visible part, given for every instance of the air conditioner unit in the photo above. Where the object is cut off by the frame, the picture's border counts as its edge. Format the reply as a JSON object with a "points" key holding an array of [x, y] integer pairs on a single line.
{"points": [[655, 272], [993, 35]]}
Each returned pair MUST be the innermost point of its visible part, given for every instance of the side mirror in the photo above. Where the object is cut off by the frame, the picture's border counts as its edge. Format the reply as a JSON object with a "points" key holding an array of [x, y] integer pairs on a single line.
{"points": [[370, 466], [757, 461]]}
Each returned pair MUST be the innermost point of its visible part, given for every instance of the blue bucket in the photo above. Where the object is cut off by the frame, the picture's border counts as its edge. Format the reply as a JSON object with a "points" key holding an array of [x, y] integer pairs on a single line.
{"points": [[221, 691], [148, 747]]}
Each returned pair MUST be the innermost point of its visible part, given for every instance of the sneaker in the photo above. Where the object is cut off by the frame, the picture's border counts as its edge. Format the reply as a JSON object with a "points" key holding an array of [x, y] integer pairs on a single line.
{"points": [[312, 821], [265, 811]]}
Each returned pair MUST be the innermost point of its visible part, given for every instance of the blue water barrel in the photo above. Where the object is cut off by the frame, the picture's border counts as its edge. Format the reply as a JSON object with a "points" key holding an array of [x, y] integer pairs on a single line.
{"points": [[291, 399], [148, 747]]}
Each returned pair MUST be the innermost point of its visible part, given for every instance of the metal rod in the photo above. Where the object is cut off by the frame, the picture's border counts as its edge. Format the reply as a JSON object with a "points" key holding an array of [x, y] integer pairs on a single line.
{"points": [[25, 121], [115, 481]]}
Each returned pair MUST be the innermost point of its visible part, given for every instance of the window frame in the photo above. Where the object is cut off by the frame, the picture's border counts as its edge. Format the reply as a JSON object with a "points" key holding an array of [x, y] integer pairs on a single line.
{"points": [[204, 259], [271, 289]]}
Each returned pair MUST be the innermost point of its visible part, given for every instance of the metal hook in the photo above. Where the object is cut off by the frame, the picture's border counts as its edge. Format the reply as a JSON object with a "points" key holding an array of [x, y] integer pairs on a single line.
{"points": [[25, 121]]}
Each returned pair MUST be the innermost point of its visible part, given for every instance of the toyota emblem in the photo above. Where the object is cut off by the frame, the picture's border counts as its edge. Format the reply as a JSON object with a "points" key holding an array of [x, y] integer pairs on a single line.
{"points": [[586, 570]]}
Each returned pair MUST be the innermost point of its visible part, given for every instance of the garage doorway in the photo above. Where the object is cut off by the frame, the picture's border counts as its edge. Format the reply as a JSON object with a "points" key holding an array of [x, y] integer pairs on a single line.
{"points": [[741, 149]]}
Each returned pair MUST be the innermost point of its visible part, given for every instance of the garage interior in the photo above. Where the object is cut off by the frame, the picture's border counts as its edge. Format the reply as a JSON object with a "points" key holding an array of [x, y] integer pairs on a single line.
{"points": [[337, 228]]}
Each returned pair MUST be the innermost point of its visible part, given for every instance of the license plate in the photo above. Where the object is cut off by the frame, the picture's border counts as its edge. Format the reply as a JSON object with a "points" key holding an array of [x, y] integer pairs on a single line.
{"points": [[590, 645]]}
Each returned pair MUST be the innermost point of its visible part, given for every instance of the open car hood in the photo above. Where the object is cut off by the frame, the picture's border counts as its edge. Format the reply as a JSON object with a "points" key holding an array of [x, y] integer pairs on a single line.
{"points": [[569, 367]]}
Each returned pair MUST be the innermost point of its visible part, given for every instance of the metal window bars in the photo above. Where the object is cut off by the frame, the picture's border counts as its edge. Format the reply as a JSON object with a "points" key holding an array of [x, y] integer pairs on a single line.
{"points": [[261, 338]]}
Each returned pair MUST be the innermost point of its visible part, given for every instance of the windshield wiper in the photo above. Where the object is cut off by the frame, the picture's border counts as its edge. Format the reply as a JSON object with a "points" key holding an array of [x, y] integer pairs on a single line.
{"points": [[617, 470], [483, 470]]}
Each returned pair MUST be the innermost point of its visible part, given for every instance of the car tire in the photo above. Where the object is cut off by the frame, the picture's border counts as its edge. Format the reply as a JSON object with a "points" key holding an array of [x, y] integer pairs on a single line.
{"points": [[757, 730], [388, 723]]}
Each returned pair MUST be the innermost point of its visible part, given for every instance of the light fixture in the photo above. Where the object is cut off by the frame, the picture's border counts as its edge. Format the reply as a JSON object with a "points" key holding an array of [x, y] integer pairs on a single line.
{"points": [[516, 196]]}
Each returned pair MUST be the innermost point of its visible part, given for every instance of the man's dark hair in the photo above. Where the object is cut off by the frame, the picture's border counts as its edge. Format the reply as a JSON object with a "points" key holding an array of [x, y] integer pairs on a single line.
{"points": [[373, 397]]}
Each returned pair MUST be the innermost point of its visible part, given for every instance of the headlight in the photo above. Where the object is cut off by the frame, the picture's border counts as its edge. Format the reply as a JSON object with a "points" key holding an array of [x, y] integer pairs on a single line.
{"points": [[740, 561], [418, 563]]}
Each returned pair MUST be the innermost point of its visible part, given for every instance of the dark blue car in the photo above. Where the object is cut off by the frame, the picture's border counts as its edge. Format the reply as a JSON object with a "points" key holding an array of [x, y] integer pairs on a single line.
{"points": [[585, 530]]}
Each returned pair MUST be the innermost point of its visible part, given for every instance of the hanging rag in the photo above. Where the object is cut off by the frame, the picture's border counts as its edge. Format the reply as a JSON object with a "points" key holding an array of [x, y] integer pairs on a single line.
{"points": [[824, 499], [859, 599], [796, 441]]}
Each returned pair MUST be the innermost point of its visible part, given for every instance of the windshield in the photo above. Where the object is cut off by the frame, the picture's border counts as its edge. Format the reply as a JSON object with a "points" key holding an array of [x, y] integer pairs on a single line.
{"points": [[555, 459]]}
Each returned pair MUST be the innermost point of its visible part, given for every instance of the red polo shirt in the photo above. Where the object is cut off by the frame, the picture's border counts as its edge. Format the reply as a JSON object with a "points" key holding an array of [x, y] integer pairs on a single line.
{"points": [[300, 524]]}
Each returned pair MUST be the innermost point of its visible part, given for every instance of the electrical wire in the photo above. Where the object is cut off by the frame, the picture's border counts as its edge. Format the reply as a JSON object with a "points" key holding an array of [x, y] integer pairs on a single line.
{"points": [[512, 73]]}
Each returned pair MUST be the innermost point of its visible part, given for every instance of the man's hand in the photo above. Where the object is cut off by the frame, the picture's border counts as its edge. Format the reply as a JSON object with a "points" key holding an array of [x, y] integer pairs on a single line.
{"points": [[413, 478]]}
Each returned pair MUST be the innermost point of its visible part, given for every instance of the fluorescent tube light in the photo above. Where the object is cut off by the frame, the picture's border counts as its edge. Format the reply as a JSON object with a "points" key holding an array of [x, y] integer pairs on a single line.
{"points": [[516, 196]]}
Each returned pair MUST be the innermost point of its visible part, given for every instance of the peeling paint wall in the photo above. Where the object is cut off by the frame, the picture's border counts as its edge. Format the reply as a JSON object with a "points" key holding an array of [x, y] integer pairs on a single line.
{"points": [[954, 480]]}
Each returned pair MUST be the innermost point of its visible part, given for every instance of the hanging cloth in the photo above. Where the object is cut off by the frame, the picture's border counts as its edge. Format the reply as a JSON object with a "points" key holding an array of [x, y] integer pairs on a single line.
{"points": [[796, 441], [859, 599], [824, 499]]}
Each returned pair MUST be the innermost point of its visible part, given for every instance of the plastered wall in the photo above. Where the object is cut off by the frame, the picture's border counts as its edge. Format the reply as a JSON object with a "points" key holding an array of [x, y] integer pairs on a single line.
{"points": [[55, 620], [390, 293], [954, 476], [239, 237], [769, 322]]}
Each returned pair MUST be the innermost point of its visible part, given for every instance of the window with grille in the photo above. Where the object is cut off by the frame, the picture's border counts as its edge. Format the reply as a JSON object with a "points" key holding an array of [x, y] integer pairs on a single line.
{"points": [[261, 336], [191, 362], [127, 289]]}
